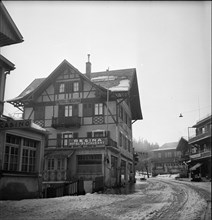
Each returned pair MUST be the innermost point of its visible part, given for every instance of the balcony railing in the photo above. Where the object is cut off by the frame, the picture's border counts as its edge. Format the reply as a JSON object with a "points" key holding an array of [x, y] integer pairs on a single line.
{"points": [[66, 122], [201, 154], [77, 142], [200, 136], [54, 175]]}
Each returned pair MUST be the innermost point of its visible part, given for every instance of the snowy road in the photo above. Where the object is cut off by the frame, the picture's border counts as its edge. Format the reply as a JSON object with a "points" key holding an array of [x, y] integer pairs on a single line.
{"points": [[155, 199]]}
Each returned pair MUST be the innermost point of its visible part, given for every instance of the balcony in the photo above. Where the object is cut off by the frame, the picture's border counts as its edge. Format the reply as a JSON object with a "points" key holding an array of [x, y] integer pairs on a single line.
{"points": [[66, 122], [83, 141], [201, 155], [199, 137], [54, 175]]}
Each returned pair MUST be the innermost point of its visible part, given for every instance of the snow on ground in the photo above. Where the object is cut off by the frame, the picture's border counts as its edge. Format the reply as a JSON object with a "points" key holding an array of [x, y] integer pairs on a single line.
{"points": [[151, 196]]}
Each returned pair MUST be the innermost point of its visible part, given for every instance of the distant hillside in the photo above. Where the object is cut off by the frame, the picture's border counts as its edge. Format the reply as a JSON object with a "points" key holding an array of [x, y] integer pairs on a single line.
{"points": [[144, 145]]}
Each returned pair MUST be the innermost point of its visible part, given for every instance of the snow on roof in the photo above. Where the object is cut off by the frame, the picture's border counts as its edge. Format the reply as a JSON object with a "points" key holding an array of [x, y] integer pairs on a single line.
{"points": [[103, 78], [123, 85], [115, 80], [167, 146]]}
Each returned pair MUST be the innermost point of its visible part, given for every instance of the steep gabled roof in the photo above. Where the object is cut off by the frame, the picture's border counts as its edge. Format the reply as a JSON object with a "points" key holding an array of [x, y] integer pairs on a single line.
{"points": [[121, 81], [182, 144], [39, 85]]}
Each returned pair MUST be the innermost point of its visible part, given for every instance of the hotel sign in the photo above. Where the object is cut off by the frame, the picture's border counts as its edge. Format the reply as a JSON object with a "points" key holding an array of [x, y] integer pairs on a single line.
{"points": [[87, 141], [14, 124]]}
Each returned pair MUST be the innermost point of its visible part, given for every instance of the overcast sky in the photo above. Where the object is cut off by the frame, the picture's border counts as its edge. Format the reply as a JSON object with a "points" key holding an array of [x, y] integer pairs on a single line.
{"points": [[169, 44]]}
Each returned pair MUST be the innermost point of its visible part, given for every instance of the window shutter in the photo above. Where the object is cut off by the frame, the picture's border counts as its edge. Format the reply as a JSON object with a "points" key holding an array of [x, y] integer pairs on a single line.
{"points": [[67, 87], [89, 134], [80, 86], [75, 135], [59, 138], [75, 110], [61, 111]]}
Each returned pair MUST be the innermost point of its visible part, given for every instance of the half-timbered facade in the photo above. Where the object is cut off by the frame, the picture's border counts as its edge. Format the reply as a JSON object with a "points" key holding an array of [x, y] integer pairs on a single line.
{"points": [[89, 118]]}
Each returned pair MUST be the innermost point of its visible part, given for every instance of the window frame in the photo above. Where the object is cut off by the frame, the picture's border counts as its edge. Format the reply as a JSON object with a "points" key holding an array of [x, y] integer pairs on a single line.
{"points": [[98, 109]]}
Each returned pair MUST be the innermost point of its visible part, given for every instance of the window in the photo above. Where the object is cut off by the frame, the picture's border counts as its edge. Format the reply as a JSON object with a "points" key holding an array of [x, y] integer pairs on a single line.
{"points": [[89, 164], [68, 110], [98, 109], [50, 164], [121, 112], [129, 145], [11, 152], [76, 86], [99, 134], [12, 155], [114, 166], [120, 139], [29, 155], [61, 164], [61, 88], [169, 154], [159, 155], [11, 158], [66, 138]]}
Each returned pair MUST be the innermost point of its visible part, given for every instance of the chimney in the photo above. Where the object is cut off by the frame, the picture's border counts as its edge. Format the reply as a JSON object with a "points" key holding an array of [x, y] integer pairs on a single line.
{"points": [[88, 67]]}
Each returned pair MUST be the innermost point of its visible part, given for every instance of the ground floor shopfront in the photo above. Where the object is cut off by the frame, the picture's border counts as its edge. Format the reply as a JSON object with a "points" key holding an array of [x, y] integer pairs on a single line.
{"points": [[200, 168], [98, 167], [21, 159]]}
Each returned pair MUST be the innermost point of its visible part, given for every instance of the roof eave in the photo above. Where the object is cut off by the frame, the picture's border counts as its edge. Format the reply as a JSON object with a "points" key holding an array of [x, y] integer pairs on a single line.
{"points": [[12, 25]]}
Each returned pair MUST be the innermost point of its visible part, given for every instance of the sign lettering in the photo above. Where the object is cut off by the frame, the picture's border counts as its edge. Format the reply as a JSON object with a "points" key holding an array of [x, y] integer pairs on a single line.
{"points": [[13, 124], [87, 141]]}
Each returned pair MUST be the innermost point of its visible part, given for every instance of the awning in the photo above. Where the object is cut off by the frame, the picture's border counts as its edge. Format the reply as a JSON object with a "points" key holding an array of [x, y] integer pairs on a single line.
{"points": [[195, 166], [59, 154]]}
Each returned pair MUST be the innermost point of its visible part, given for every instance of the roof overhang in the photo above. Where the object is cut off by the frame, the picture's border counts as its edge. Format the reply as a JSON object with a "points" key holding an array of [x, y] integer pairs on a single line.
{"points": [[6, 64], [9, 33]]}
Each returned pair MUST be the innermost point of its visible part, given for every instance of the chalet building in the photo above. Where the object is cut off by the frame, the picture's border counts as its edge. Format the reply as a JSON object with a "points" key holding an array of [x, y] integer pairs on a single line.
{"points": [[200, 144], [89, 119], [21, 141], [167, 160]]}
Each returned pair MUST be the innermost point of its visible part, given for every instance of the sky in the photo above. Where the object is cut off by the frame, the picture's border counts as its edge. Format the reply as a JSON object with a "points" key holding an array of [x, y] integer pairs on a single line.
{"points": [[169, 44]]}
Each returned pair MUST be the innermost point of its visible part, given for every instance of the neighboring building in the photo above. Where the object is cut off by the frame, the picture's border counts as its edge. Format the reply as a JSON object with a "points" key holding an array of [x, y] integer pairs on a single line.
{"points": [[9, 34], [21, 141], [90, 127], [200, 144], [166, 160]]}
